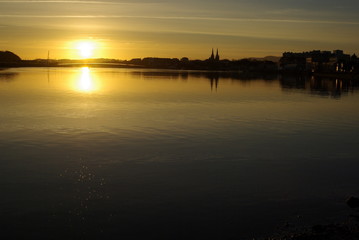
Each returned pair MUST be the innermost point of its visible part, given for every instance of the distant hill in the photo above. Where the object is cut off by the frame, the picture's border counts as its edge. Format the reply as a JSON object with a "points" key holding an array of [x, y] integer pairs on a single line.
{"points": [[268, 58], [272, 58], [9, 57]]}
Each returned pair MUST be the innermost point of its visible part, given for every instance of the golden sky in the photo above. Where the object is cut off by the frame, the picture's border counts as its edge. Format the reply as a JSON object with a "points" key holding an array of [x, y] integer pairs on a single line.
{"points": [[125, 29]]}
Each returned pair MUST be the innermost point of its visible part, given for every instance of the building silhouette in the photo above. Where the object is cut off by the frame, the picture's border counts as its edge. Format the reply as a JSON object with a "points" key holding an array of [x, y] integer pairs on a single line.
{"points": [[217, 56], [320, 61], [214, 58]]}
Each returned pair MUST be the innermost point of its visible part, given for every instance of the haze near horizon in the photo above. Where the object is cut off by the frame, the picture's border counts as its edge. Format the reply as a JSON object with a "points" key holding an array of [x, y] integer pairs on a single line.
{"points": [[167, 28]]}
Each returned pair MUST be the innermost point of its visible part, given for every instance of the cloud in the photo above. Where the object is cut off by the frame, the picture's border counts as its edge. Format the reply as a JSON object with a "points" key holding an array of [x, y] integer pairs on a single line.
{"points": [[78, 1], [59, 1], [265, 20]]}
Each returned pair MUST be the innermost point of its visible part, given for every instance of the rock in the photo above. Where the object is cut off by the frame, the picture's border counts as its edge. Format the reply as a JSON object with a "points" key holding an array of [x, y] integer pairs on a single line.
{"points": [[353, 202]]}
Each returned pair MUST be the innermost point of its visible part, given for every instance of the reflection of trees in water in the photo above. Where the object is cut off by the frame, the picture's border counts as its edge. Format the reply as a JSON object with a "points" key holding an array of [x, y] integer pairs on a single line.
{"points": [[170, 75], [233, 75], [318, 86], [293, 81], [305, 84], [213, 76], [7, 76]]}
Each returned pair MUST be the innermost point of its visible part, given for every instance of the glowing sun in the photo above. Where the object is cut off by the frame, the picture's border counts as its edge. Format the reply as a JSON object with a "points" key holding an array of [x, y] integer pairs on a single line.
{"points": [[85, 49]]}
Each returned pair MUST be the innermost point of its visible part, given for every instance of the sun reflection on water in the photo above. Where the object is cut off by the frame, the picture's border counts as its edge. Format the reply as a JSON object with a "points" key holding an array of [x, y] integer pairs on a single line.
{"points": [[86, 83]]}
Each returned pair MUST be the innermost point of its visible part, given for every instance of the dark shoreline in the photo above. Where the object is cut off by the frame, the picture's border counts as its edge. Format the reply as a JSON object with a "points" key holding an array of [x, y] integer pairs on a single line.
{"points": [[343, 76]]}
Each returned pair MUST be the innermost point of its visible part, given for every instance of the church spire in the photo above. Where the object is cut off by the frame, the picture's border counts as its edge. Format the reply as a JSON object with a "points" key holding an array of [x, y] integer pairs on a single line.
{"points": [[212, 55], [217, 55]]}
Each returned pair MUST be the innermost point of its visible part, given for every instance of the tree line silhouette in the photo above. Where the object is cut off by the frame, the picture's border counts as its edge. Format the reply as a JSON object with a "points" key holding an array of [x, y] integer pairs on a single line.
{"points": [[335, 62]]}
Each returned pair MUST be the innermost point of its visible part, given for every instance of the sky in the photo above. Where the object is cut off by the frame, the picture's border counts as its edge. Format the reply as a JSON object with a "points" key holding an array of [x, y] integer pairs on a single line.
{"points": [[126, 29]]}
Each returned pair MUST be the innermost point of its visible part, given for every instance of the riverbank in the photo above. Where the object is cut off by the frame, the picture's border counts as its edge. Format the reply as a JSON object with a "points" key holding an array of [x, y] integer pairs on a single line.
{"points": [[348, 230], [244, 70]]}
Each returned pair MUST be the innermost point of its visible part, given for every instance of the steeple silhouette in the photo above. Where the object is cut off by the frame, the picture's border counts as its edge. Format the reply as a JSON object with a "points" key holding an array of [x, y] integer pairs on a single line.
{"points": [[212, 56]]}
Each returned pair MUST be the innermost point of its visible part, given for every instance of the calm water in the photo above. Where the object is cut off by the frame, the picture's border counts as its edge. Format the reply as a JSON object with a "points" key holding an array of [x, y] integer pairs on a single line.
{"points": [[150, 154]]}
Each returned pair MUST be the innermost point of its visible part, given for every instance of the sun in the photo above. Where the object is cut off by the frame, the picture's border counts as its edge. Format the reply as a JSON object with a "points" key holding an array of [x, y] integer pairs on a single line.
{"points": [[85, 49]]}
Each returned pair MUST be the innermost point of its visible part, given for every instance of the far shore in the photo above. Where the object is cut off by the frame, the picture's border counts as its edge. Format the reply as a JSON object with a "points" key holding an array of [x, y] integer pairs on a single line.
{"points": [[32, 64]]}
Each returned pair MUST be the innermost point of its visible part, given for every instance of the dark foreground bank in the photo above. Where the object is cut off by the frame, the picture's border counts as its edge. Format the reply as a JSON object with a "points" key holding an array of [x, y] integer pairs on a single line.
{"points": [[346, 230]]}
